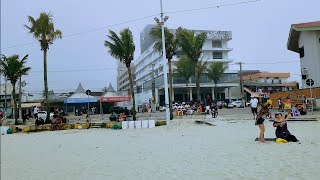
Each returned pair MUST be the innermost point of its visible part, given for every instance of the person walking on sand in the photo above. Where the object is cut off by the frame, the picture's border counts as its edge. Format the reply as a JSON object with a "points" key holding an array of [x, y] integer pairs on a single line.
{"points": [[261, 116], [254, 106]]}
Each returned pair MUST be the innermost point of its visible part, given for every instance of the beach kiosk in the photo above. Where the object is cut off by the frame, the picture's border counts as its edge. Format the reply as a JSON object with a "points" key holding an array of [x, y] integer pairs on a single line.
{"points": [[79, 100]]}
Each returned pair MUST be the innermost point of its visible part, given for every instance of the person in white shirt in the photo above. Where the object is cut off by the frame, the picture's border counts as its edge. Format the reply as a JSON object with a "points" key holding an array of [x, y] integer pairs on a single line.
{"points": [[254, 106], [35, 112]]}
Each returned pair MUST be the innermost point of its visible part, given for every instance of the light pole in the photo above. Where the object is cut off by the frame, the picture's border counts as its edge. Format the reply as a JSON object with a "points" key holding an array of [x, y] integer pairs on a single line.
{"points": [[165, 68]]}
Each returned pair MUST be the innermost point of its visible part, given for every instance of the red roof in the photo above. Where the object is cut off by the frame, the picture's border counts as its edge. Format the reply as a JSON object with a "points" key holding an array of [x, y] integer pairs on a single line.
{"points": [[308, 24]]}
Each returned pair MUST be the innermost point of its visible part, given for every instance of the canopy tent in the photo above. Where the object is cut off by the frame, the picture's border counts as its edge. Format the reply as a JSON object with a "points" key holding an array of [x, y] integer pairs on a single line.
{"points": [[112, 96], [79, 96]]}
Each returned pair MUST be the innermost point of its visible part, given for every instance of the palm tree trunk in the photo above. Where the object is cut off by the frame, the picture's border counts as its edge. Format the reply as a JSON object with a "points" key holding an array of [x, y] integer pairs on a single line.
{"points": [[14, 103], [197, 80], [215, 91], [132, 94], [170, 89], [20, 91], [45, 80], [188, 96]]}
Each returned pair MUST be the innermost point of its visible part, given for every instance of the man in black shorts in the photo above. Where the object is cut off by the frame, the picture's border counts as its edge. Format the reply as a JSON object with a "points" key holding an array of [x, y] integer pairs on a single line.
{"points": [[254, 106]]}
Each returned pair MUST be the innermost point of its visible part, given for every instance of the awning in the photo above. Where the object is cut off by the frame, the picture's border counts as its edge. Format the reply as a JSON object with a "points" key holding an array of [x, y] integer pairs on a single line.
{"points": [[30, 105], [115, 99], [80, 100]]}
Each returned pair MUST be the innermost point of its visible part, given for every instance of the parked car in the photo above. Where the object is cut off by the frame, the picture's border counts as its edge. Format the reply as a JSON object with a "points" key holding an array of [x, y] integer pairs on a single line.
{"points": [[43, 115], [248, 104], [221, 104], [162, 108], [117, 109], [235, 104]]}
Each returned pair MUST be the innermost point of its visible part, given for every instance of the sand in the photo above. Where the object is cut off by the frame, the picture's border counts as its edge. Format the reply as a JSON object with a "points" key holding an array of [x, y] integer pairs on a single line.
{"points": [[185, 151]]}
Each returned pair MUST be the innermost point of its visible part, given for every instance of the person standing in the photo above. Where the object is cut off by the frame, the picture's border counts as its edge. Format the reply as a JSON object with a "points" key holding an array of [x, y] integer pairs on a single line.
{"points": [[254, 106], [261, 116], [35, 112]]}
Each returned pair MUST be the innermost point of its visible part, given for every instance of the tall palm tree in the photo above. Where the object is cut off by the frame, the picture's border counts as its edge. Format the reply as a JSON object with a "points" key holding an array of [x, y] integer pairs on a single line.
{"points": [[215, 72], [171, 44], [122, 48], [12, 68], [191, 45], [43, 30], [184, 69]]}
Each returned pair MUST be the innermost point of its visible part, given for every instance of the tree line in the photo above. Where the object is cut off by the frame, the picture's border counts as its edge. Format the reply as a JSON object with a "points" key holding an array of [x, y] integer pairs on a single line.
{"points": [[121, 46]]}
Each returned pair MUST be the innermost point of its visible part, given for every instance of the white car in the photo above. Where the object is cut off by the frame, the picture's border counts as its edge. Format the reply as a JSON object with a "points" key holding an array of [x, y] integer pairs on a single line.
{"points": [[235, 104], [43, 115], [162, 108]]}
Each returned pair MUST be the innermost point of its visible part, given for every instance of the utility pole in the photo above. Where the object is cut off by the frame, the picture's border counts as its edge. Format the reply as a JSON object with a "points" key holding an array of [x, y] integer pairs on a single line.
{"points": [[165, 68], [5, 98], [20, 96], [241, 81], [153, 91]]}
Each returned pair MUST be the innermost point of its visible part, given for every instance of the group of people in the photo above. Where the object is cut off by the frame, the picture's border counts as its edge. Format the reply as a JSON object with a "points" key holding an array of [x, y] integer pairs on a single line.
{"points": [[280, 121], [124, 116]]}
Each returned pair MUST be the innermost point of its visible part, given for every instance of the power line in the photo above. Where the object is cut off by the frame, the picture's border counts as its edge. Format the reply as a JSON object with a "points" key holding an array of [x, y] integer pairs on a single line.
{"points": [[211, 7], [283, 62], [138, 19], [74, 70]]}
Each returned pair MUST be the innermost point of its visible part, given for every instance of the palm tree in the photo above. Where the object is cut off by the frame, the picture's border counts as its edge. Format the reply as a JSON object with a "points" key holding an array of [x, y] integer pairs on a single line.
{"points": [[43, 30], [122, 48], [171, 44], [215, 72], [184, 69], [191, 45], [12, 68]]}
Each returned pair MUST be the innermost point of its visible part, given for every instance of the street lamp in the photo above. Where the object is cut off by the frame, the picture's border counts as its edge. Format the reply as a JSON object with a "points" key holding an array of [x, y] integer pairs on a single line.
{"points": [[165, 68]]}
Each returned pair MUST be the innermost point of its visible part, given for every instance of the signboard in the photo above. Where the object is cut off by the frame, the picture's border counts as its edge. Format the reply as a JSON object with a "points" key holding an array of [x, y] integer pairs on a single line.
{"points": [[80, 100], [88, 92], [309, 82], [115, 99]]}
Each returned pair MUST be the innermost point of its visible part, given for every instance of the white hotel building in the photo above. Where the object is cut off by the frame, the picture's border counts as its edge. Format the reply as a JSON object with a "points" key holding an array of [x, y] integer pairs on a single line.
{"points": [[150, 61]]}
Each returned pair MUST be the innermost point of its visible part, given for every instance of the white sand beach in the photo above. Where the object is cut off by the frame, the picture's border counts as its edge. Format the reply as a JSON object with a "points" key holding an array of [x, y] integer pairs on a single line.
{"points": [[185, 151]]}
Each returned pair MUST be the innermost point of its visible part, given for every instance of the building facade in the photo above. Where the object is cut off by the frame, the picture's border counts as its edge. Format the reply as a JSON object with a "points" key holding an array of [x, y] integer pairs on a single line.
{"points": [[148, 68], [265, 83], [304, 39]]}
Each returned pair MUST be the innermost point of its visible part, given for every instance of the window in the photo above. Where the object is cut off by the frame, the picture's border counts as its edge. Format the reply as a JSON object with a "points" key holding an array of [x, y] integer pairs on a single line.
{"points": [[280, 81], [217, 44], [301, 52], [217, 55]]}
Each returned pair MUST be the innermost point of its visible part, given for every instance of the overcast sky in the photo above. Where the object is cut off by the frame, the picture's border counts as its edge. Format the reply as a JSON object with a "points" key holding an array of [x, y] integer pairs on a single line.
{"points": [[260, 33]]}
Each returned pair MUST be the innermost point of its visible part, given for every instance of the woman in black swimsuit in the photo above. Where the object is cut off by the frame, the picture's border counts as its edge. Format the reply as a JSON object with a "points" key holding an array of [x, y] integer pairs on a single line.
{"points": [[261, 116], [282, 131]]}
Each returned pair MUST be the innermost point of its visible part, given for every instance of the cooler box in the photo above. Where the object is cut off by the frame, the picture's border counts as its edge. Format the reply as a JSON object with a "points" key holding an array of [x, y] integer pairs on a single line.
{"points": [[125, 124], [137, 124], [131, 124], [145, 124], [152, 124]]}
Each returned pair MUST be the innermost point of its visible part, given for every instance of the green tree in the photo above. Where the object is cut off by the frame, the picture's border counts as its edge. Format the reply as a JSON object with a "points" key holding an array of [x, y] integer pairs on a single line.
{"points": [[215, 72], [171, 44], [185, 69], [122, 48], [43, 30], [191, 44], [12, 68]]}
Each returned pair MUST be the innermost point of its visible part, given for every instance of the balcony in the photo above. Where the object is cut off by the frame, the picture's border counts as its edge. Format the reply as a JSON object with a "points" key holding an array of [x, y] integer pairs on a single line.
{"points": [[210, 48]]}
